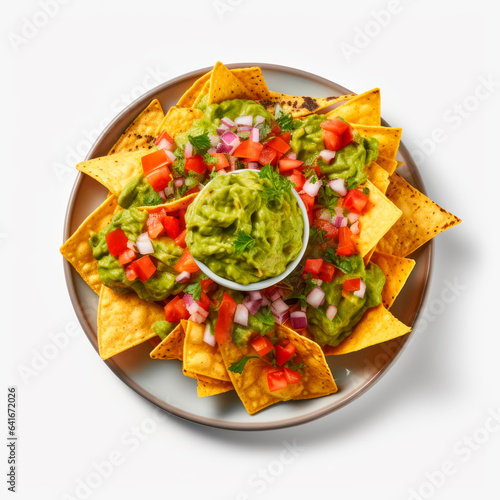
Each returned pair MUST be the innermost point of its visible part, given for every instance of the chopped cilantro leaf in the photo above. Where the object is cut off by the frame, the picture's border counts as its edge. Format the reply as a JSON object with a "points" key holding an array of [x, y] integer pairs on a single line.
{"points": [[278, 185], [316, 236], [200, 142], [243, 242], [298, 368], [328, 198], [347, 265], [265, 130], [194, 289], [239, 366], [284, 120], [264, 315], [209, 159]]}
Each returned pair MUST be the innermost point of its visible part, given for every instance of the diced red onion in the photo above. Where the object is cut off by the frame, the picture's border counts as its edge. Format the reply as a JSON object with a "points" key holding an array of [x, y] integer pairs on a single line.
{"points": [[338, 185], [352, 217], [191, 304], [244, 128], [317, 281], [324, 215], [241, 315], [222, 171], [199, 316], [299, 320], [327, 155], [169, 191], [265, 301], [339, 211], [244, 120], [278, 306], [163, 144], [236, 142], [162, 195], [228, 122], [179, 182], [303, 308], [340, 221], [316, 297], [312, 188], [355, 228], [255, 135], [255, 295], [331, 312], [189, 150], [253, 165], [132, 246], [229, 137], [292, 156], [277, 110], [252, 305], [275, 295], [171, 155], [208, 337], [259, 119], [212, 150], [144, 244], [282, 317], [222, 129], [183, 277], [224, 148], [232, 164], [362, 289], [214, 140]]}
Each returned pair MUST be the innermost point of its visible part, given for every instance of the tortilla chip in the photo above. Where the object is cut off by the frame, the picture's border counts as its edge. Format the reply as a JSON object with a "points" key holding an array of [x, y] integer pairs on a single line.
{"points": [[422, 219], [388, 138], [171, 347], [364, 109], [171, 206], [225, 85], [376, 326], [387, 164], [178, 120], [77, 250], [368, 256], [200, 358], [298, 105], [378, 176], [253, 80], [189, 97], [114, 171], [124, 321], [141, 131], [396, 270], [252, 386], [210, 387], [379, 216]]}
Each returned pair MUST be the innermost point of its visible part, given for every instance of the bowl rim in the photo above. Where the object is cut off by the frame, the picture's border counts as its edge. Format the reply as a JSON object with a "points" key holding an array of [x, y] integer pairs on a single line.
{"points": [[260, 285]]}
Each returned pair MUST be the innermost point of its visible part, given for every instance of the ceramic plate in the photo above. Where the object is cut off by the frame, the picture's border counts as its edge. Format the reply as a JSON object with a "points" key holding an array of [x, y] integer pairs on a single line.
{"points": [[162, 382]]}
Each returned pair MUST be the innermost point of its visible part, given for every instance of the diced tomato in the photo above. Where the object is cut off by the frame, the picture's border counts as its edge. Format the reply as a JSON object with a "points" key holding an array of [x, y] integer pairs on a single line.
{"points": [[144, 267], [276, 380], [172, 226], [181, 239], [159, 178], [298, 179], [222, 161], [355, 201], [249, 149], [275, 131], [117, 242], [284, 352], [193, 190], [155, 160], [204, 301], [286, 164], [331, 231], [278, 144], [225, 319], [164, 135], [205, 284], [351, 285], [346, 246], [327, 272], [347, 137], [155, 227], [333, 142], [286, 136], [126, 257], [130, 273], [309, 203], [262, 345], [269, 155], [336, 125], [196, 164], [176, 310], [186, 263], [313, 266], [292, 376]]}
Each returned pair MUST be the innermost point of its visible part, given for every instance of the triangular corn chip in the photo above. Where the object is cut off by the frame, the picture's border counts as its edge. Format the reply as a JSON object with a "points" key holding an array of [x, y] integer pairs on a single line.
{"points": [[364, 109]]}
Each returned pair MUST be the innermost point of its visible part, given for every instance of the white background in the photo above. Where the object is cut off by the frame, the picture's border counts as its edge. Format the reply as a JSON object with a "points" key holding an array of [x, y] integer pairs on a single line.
{"points": [[67, 78]]}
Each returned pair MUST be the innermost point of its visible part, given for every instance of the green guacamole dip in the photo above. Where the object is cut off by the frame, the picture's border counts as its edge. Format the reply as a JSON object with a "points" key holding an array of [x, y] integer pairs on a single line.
{"points": [[350, 308], [112, 274], [239, 235]]}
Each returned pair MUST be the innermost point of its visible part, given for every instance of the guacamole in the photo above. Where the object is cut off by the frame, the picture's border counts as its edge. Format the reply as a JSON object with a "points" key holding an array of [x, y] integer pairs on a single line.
{"points": [[166, 253], [139, 193], [238, 233]]}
